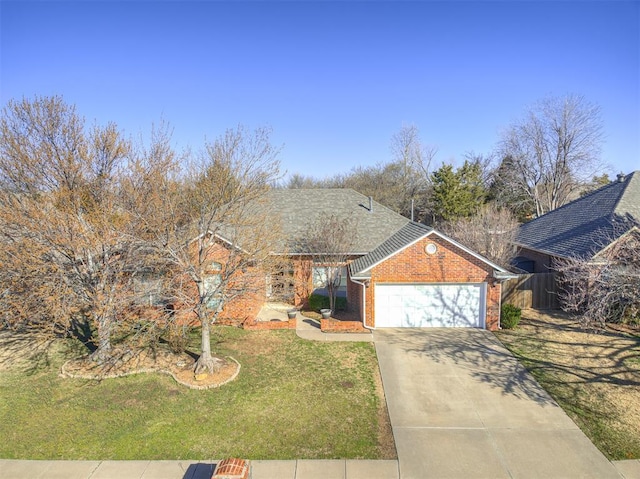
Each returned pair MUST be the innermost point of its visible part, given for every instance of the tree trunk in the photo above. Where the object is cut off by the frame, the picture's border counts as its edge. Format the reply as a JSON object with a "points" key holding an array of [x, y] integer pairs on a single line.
{"points": [[206, 363], [103, 351], [332, 296]]}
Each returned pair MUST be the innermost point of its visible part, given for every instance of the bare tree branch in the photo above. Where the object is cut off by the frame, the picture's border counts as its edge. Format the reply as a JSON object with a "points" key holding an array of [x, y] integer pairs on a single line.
{"points": [[330, 242], [605, 289], [553, 149], [491, 232]]}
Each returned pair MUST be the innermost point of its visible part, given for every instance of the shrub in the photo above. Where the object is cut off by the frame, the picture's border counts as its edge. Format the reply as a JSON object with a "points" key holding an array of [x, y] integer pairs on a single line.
{"points": [[178, 338], [509, 316], [318, 301]]}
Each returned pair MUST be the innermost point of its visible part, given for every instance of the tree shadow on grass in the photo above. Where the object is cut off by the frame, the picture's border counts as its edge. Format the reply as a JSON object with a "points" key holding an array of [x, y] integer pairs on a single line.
{"points": [[584, 356], [25, 352]]}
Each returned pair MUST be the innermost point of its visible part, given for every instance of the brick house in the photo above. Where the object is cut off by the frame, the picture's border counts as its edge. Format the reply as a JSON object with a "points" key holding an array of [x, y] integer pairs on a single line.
{"points": [[404, 274], [400, 273], [244, 291], [298, 208]]}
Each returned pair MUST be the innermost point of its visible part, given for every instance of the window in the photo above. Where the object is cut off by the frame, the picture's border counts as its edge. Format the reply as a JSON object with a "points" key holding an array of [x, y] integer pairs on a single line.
{"points": [[212, 296], [320, 278]]}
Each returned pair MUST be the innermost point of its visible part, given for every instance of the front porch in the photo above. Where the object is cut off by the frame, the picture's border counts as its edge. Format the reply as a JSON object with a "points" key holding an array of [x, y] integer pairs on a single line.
{"points": [[274, 316]]}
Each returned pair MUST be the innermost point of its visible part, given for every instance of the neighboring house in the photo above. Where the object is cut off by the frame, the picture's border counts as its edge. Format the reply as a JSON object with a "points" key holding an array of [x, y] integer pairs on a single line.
{"points": [[584, 228], [401, 273]]}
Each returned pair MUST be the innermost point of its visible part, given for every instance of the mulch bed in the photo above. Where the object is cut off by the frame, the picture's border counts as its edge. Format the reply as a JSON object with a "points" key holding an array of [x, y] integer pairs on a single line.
{"points": [[179, 366]]}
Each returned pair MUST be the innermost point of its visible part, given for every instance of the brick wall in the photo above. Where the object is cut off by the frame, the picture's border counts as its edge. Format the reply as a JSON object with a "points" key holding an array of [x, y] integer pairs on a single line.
{"points": [[302, 281], [354, 297], [254, 325], [337, 326], [247, 288], [448, 265]]}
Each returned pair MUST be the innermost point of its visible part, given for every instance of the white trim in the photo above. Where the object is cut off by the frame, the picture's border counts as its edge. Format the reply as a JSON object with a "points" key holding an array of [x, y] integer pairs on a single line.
{"points": [[364, 303], [445, 238], [219, 237], [394, 253], [471, 252]]}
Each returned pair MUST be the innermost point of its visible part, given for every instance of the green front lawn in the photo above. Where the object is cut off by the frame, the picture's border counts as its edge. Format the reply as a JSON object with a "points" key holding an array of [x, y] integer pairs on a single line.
{"points": [[292, 399]]}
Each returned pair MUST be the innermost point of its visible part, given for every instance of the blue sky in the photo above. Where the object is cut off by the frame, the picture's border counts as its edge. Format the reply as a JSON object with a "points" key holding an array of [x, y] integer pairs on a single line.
{"points": [[334, 80]]}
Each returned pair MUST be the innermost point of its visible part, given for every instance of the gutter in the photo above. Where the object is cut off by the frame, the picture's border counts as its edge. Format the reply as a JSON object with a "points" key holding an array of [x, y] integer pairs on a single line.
{"points": [[364, 303], [500, 276]]}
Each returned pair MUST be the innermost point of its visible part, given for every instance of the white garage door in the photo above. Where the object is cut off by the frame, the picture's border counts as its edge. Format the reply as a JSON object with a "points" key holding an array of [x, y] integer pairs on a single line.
{"points": [[430, 305]]}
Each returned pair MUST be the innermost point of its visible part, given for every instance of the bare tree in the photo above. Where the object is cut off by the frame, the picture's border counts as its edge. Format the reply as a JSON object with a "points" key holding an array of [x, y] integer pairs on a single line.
{"points": [[553, 149], [85, 217], [401, 184], [330, 242], [298, 180], [491, 232], [606, 288], [221, 246], [68, 241]]}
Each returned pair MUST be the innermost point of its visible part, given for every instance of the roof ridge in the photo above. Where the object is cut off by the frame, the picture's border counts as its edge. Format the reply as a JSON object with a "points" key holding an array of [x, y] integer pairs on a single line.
{"points": [[574, 228], [585, 197], [346, 189]]}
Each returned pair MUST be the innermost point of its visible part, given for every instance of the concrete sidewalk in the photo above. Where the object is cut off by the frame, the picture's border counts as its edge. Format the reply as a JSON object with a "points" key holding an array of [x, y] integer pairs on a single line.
{"points": [[300, 469], [307, 328]]}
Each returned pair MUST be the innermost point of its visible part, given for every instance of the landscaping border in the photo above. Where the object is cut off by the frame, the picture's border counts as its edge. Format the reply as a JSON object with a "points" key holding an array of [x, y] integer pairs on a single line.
{"points": [[65, 374]]}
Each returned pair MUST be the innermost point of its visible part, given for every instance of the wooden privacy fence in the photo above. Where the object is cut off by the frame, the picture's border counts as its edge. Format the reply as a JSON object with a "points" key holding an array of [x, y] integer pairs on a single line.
{"points": [[537, 291]]}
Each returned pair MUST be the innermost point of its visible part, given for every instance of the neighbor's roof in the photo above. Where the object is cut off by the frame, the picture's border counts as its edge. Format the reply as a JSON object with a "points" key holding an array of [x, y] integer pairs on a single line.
{"points": [[585, 226], [298, 208], [403, 238]]}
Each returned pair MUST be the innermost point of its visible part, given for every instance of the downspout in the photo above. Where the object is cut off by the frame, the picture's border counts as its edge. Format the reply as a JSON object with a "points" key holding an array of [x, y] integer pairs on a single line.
{"points": [[364, 304], [500, 306]]}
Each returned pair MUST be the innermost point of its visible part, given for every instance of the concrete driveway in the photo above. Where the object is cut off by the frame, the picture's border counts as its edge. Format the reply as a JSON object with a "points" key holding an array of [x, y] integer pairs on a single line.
{"points": [[461, 406]]}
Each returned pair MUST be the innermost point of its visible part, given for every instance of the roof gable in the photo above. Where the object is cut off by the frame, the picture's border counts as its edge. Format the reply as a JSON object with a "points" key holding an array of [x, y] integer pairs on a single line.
{"points": [[586, 225], [407, 236]]}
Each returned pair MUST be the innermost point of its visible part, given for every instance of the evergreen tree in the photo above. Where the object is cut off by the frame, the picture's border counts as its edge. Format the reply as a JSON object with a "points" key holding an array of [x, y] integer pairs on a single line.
{"points": [[459, 193]]}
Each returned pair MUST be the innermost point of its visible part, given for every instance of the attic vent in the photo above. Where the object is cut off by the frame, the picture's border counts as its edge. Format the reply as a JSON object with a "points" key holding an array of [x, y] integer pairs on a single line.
{"points": [[431, 248], [621, 177]]}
